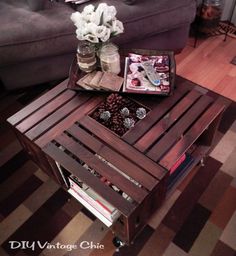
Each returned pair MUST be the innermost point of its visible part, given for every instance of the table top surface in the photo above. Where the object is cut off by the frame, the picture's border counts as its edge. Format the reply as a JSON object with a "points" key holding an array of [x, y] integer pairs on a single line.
{"points": [[59, 123]]}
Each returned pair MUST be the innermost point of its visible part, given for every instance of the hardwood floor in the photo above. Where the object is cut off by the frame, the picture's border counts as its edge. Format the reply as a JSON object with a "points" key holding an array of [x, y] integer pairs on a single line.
{"points": [[209, 64]]}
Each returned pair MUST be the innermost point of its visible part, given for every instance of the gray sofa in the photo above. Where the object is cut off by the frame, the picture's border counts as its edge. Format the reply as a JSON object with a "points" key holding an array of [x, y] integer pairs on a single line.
{"points": [[38, 42]]}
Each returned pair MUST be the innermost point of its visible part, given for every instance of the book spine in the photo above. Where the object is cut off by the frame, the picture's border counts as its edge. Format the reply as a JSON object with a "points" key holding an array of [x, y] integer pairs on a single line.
{"points": [[177, 164], [98, 205]]}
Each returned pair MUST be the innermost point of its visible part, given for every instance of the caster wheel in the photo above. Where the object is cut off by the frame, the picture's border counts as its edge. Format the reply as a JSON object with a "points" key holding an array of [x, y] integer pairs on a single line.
{"points": [[117, 242]]}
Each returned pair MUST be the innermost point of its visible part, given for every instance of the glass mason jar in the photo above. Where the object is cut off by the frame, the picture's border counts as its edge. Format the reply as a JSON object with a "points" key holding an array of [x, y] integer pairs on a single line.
{"points": [[110, 58], [86, 57], [210, 14]]}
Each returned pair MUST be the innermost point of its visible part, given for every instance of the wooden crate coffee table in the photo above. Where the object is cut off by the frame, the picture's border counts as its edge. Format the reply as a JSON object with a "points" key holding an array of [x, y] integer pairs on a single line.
{"points": [[57, 129]]}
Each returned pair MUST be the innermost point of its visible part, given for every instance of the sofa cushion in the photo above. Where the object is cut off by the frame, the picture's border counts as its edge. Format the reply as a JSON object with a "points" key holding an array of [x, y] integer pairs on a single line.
{"points": [[153, 17], [36, 5], [149, 17], [26, 34]]}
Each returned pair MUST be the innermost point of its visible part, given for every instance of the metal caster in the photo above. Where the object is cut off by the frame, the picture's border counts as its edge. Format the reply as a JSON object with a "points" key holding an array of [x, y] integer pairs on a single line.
{"points": [[202, 162], [117, 243]]}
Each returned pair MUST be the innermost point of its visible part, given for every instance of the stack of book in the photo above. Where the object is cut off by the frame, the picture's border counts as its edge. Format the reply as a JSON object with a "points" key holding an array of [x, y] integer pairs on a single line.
{"points": [[91, 200], [179, 168]]}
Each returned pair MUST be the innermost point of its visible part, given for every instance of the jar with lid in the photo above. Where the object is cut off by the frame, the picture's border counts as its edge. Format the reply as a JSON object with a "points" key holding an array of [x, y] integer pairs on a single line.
{"points": [[86, 57], [210, 14], [110, 58]]}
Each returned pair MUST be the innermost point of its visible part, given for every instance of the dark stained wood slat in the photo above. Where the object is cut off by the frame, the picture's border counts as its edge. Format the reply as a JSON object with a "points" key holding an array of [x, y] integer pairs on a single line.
{"points": [[68, 121], [148, 101], [138, 194], [113, 157], [45, 111], [36, 104], [55, 117], [152, 117], [170, 138], [159, 128], [192, 135], [103, 190], [125, 149]]}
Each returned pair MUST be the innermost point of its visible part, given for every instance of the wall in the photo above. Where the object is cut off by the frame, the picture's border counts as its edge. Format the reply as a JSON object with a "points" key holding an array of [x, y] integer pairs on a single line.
{"points": [[227, 11]]}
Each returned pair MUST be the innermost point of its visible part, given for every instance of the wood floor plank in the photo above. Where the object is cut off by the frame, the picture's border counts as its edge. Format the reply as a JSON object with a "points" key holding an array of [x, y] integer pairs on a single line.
{"points": [[209, 65]]}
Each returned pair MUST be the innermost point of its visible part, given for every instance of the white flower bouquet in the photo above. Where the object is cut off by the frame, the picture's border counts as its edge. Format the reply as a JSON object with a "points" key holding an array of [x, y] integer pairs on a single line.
{"points": [[97, 25]]}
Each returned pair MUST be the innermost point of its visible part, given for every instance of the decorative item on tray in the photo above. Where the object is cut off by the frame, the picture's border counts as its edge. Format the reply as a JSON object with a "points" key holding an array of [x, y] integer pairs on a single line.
{"points": [[86, 57], [147, 74], [118, 113], [98, 80], [110, 58], [97, 26]]}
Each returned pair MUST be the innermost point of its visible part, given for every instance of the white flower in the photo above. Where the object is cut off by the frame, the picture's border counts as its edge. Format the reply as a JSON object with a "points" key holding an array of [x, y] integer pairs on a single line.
{"points": [[102, 8], [101, 13], [88, 9], [91, 28], [97, 25], [117, 27], [76, 17], [95, 18], [81, 24], [100, 31], [88, 12], [106, 35], [91, 38], [109, 14], [79, 34]]}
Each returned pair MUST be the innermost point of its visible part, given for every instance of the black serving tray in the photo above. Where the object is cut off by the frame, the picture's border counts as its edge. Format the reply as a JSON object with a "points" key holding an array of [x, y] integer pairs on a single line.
{"points": [[75, 73]]}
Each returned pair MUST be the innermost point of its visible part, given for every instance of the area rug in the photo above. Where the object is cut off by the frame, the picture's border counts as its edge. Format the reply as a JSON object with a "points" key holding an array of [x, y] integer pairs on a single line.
{"points": [[39, 218]]}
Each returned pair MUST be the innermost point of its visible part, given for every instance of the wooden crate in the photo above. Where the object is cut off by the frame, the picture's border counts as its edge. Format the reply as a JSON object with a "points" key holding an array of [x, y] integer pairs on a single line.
{"points": [[57, 128]]}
